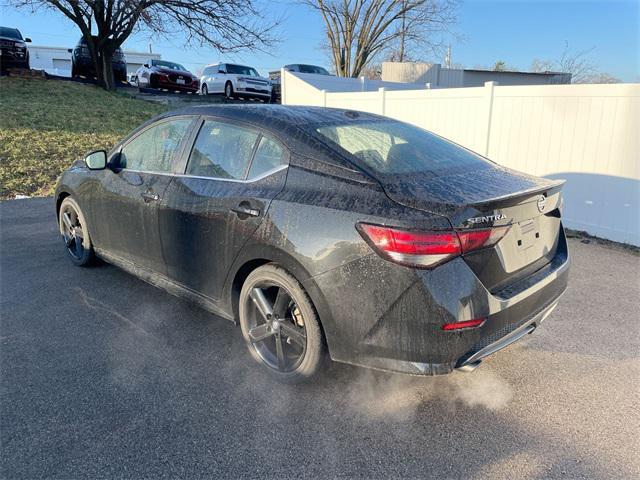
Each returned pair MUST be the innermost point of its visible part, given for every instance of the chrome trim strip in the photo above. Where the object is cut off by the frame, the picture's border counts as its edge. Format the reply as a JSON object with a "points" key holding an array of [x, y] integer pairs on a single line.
{"points": [[184, 175], [510, 338]]}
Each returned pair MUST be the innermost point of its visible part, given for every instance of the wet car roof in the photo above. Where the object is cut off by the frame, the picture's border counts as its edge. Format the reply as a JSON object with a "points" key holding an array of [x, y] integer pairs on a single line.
{"points": [[265, 115]]}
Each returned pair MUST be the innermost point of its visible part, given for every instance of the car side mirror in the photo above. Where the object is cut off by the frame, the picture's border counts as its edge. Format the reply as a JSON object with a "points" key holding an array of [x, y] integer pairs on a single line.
{"points": [[96, 160], [70, 50], [27, 40], [222, 72], [146, 65]]}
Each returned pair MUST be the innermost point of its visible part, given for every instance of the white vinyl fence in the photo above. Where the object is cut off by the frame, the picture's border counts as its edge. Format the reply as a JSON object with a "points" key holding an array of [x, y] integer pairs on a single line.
{"points": [[586, 134]]}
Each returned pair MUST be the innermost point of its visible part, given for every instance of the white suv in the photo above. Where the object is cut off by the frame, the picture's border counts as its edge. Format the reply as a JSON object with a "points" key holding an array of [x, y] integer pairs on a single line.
{"points": [[234, 80]]}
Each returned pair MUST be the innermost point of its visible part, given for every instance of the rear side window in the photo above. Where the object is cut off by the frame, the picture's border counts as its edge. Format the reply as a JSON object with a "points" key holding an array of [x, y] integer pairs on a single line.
{"points": [[155, 149], [269, 155], [391, 147], [222, 151]]}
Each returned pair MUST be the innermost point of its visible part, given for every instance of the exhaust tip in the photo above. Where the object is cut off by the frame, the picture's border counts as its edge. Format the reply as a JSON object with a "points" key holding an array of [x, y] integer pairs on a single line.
{"points": [[469, 367]]}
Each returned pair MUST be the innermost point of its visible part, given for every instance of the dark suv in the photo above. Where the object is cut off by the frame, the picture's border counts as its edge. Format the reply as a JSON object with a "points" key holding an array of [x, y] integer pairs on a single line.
{"points": [[13, 49], [82, 64]]}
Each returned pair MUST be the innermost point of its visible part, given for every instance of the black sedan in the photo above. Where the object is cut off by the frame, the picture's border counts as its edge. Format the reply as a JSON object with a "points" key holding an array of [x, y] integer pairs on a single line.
{"points": [[326, 234], [163, 75]]}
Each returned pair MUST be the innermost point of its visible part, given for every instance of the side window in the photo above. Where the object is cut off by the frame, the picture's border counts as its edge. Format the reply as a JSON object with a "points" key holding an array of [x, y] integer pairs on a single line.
{"points": [[269, 155], [222, 151], [155, 149]]}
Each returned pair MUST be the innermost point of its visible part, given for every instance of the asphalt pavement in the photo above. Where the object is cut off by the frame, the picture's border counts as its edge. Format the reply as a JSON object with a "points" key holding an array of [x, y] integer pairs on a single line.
{"points": [[105, 376]]}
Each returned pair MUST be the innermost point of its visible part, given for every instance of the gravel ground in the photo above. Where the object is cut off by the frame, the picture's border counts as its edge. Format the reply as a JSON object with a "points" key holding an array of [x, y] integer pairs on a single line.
{"points": [[103, 375]]}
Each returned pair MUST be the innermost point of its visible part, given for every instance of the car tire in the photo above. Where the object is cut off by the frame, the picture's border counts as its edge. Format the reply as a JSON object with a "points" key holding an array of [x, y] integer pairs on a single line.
{"points": [[75, 233], [205, 89], [289, 342], [228, 90]]}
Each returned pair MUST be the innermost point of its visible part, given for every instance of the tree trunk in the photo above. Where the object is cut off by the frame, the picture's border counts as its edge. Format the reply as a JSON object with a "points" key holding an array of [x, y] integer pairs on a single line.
{"points": [[107, 70], [97, 62]]}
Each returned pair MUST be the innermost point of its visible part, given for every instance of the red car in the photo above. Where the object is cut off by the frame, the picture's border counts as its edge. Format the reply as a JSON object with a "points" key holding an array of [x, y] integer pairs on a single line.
{"points": [[160, 74]]}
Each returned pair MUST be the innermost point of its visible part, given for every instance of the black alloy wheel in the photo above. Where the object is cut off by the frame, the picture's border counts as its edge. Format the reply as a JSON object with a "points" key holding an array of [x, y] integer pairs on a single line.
{"points": [[74, 232], [280, 325]]}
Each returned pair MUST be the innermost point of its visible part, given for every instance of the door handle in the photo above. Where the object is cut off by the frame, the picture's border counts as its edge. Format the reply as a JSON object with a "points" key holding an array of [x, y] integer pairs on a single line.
{"points": [[150, 196], [245, 209]]}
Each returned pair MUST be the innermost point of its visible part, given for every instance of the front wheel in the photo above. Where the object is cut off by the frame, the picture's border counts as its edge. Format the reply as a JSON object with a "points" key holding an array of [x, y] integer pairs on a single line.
{"points": [[280, 325], [75, 234], [228, 90], [205, 90]]}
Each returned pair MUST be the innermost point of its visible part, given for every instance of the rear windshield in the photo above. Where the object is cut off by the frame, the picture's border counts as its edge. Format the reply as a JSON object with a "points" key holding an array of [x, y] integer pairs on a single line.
{"points": [[312, 69], [10, 33], [389, 147]]}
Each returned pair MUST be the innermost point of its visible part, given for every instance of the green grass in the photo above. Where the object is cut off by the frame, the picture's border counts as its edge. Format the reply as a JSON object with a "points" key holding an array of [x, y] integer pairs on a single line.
{"points": [[47, 124]]}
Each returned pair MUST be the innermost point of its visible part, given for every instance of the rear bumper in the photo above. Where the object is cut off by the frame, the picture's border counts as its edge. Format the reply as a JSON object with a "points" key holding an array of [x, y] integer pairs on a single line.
{"points": [[397, 326], [472, 359]]}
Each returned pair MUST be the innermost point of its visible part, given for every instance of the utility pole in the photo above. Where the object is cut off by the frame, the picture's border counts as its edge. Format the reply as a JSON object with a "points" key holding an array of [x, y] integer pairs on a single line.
{"points": [[403, 31], [447, 58]]}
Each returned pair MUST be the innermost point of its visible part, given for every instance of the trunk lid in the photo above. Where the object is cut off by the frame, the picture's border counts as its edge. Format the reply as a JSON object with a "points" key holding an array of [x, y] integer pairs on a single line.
{"points": [[487, 197]]}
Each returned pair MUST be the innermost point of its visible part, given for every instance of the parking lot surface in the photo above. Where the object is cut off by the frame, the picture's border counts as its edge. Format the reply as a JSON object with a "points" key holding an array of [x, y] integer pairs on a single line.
{"points": [[103, 376]]}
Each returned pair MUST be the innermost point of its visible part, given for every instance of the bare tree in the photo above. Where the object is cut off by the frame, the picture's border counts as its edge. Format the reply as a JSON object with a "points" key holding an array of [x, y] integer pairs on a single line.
{"points": [[602, 77], [577, 63], [360, 30], [226, 25]]}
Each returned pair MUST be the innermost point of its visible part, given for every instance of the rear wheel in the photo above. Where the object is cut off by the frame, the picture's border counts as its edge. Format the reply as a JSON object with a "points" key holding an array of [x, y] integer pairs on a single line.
{"points": [[280, 325], [75, 234]]}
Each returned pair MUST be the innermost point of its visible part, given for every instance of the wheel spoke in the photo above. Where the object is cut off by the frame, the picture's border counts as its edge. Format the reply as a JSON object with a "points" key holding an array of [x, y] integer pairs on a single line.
{"points": [[293, 333], [67, 220], [260, 301], [280, 351], [78, 233], [78, 247], [260, 333], [68, 240], [281, 303]]}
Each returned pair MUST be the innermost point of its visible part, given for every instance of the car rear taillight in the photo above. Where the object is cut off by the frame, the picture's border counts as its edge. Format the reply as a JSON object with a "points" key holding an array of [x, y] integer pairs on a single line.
{"points": [[426, 249]]}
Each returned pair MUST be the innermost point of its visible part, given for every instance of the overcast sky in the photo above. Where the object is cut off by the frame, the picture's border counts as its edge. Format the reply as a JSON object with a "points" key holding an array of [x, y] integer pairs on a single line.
{"points": [[513, 31]]}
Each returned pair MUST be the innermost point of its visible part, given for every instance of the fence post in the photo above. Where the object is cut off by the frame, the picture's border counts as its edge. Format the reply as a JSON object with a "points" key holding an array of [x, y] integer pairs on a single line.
{"points": [[489, 86], [362, 79], [324, 98], [283, 89], [383, 95]]}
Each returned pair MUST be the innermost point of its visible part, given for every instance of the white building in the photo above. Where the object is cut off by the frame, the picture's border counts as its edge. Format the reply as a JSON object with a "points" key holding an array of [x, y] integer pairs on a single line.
{"points": [[57, 60], [440, 77]]}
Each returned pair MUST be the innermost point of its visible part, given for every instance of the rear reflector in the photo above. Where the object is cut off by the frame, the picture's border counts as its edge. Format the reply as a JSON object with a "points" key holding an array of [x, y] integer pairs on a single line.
{"points": [[461, 325], [426, 249]]}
